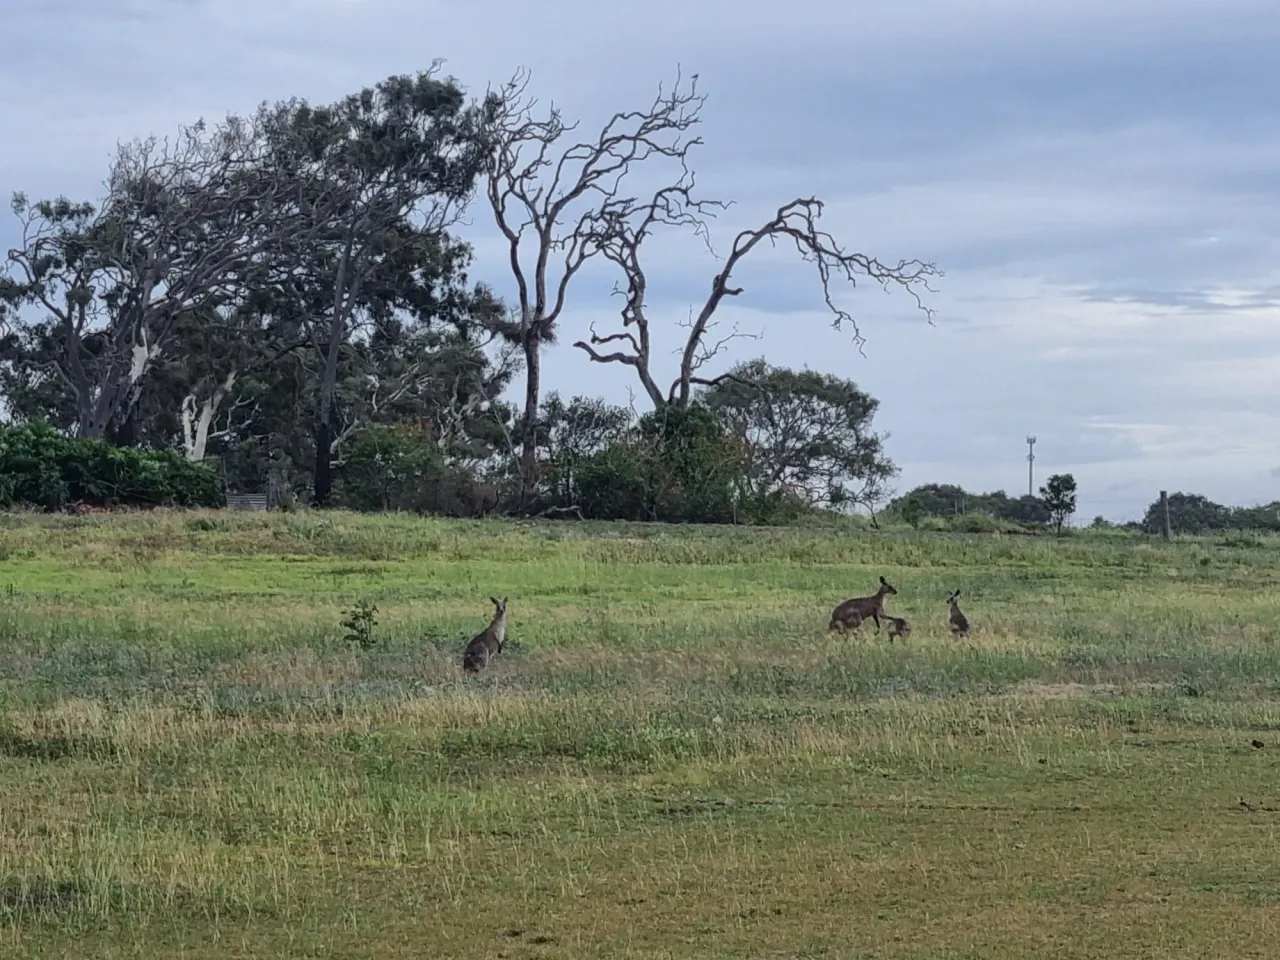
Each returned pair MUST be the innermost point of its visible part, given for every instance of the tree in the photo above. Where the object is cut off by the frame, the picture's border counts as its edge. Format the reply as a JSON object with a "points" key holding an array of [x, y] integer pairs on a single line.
{"points": [[912, 511], [571, 434], [1189, 513], [380, 176], [676, 465], [620, 227], [804, 432], [546, 195], [182, 223], [1059, 497]]}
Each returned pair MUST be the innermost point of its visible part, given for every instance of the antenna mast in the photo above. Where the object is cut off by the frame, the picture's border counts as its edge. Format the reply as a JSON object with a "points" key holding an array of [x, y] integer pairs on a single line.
{"points": [[1031, 466]]}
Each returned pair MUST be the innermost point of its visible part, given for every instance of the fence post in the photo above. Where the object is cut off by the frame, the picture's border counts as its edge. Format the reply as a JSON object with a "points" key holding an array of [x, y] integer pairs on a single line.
{"points": [[1166, 528]]}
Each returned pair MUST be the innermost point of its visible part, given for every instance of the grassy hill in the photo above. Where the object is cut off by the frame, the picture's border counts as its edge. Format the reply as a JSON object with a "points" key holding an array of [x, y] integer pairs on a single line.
{"points": [[672, 758]]}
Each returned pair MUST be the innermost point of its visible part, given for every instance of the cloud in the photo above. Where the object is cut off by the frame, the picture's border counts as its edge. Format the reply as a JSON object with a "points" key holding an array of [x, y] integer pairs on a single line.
{"points": [[1100, 181]]}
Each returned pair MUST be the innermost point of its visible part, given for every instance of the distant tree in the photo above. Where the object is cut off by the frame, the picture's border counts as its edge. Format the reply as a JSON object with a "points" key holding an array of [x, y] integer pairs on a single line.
{"points": [[559, 205], [912, 511], [1264, 517], [1189, 513], [803, 432], [948, 500], [935, 500], [621, 228], [547, 190], [1059, 497], [1026, 509], [107, 285]]}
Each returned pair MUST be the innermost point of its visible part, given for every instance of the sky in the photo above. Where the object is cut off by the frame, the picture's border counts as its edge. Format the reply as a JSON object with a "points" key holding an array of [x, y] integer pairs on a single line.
{"points": [[1099, 182]]}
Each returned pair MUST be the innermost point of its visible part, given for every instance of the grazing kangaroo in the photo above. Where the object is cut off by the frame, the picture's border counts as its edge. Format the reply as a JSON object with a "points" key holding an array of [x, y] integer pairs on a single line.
{"points": [[898, 627], [850, 614], [959, 624], [487, 645]]}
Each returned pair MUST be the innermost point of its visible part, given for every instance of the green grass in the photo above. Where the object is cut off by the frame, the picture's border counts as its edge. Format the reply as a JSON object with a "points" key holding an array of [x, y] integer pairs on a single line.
{"points": [[672, 758]]}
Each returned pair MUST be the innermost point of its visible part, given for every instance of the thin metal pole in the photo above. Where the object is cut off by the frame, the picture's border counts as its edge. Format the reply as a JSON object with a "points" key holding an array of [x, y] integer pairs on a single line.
{"points": [[1031, 466]]}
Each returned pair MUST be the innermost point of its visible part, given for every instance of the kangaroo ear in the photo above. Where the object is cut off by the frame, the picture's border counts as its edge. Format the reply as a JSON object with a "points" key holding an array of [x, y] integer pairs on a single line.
{"points": [[504, 600], [494, 601], [882, 579]]}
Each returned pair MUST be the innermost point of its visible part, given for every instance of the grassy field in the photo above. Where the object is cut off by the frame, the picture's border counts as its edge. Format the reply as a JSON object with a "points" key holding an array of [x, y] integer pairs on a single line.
{"points": [[672, 758]]}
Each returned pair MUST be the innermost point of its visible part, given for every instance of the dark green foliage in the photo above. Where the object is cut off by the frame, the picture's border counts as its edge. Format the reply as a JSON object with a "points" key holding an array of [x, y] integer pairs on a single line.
{"points": [[945, 500], [912, 511], [1191, 513], [806, 438], [571, 434], [402, 467], [359, 624], [676, 465], [41, 467], [339, 299], [383, 173], [1059, 498]]}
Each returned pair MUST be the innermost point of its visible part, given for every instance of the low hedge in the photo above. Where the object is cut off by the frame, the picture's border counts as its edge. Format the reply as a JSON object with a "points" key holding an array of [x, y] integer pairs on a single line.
{"points": [[44, 468]]}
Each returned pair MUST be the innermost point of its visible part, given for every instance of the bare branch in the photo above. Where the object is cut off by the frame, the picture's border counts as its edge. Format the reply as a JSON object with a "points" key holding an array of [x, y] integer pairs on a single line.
{"points": [[554, 201], [797, 221], [623, 227]]}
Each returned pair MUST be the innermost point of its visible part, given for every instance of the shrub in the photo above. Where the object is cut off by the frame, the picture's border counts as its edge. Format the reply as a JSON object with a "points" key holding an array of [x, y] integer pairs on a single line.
{"points": [[678, 465], [42, 467], [401, 467]]}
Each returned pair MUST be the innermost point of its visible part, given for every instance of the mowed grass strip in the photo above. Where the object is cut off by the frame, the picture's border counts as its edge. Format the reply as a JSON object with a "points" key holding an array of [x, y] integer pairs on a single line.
{"points": [[672, 758]]}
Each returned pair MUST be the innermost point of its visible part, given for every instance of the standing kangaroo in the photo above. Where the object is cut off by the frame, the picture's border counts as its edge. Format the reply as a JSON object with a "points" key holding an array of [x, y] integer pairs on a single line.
{"points": [[850, 614], [487, 645], [959, 624]]}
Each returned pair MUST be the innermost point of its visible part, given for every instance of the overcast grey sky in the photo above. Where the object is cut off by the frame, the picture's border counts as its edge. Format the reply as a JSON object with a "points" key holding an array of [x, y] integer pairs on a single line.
{"points": [[1099, 180]]}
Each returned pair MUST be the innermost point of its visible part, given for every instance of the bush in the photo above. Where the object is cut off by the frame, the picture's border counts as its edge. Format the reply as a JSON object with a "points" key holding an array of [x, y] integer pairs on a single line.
{"points": [[678, 466], [41, 467], [401, 467]]}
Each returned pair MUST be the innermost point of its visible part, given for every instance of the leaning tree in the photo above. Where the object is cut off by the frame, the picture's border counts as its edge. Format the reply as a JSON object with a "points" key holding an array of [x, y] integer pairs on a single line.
{"points": [[96, 293], [381, 176]]}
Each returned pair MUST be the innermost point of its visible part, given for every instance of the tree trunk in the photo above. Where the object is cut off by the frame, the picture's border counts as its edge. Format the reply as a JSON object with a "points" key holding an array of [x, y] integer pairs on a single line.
{"points": [[126, 434], [529, 434], [323, 481], [323, 484], [196, 426]]}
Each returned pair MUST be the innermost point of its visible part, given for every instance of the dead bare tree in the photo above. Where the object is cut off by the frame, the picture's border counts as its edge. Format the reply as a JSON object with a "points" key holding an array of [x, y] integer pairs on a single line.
{"points": [[547, 197], [622, 229], [619, 228]]}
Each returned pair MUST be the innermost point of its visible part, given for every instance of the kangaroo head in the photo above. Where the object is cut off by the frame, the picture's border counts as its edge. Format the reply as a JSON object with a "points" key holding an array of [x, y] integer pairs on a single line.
{"points": [[500, 606], [951, 597], [886, 588]]}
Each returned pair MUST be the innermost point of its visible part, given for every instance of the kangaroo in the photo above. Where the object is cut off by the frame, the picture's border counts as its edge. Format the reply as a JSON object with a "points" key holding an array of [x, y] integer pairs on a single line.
{"points": [[872, 607], [487, 645], [959, 624], [898, 627], [849, 620]]}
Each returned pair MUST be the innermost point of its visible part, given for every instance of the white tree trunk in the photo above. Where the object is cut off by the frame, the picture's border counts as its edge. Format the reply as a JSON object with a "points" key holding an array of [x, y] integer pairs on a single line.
{"points": [[198, 419]]}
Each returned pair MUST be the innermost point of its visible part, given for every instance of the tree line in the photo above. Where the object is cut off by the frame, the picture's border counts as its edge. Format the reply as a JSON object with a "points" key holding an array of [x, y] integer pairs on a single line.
{"points": [[285, 299], [957, 508]]}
